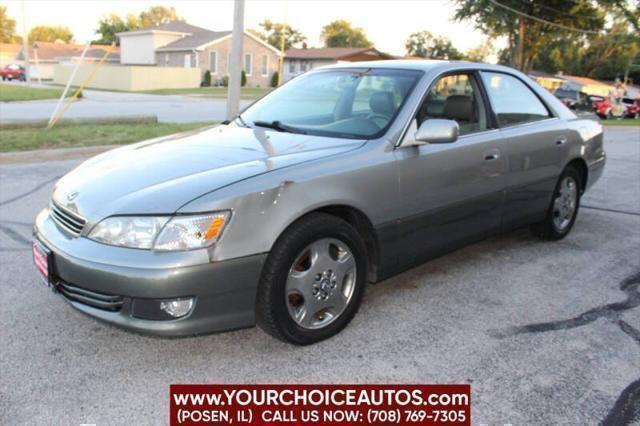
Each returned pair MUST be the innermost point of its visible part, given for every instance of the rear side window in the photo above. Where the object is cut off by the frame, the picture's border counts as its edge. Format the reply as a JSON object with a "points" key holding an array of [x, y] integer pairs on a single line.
{"points": [[512, 101]]}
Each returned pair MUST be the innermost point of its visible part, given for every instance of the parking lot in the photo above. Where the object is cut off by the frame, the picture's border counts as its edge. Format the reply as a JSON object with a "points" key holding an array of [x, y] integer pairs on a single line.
{"points": [[546, 333]]}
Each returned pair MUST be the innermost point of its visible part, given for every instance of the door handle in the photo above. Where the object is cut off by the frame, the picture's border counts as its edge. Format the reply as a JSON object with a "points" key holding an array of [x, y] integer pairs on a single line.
{"points": [[561, 141], [491, 155]]}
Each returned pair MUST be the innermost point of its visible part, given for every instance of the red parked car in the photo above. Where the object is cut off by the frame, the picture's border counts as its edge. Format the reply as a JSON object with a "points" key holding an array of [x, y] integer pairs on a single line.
{"points": [[12, 72], [633, 107], [605, 110]]}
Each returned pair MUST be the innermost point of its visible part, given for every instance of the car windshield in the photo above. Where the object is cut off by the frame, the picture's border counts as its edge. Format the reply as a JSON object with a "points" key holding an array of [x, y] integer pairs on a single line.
{"points": [[340, 103]]}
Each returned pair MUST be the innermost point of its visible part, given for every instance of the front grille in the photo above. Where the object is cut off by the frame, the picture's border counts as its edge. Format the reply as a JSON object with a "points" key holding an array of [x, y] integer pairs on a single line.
{"points": [[68, 221], [106, 302]]}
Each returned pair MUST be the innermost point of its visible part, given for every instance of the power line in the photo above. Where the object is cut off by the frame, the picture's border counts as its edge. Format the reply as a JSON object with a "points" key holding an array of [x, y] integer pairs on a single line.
{"points": [[560, 12], [544, 21]]}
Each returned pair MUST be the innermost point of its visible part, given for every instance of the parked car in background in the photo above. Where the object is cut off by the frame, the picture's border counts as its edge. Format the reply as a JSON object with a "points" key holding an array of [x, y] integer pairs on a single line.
{"points": [[13, 72], [345, 175], [575, 100], [632, 107], [606, 111]]}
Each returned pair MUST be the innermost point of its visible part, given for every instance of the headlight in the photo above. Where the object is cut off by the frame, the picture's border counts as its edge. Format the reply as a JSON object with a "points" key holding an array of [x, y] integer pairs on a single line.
{"points": [[191, 232], [128, 231], [168, 232]]}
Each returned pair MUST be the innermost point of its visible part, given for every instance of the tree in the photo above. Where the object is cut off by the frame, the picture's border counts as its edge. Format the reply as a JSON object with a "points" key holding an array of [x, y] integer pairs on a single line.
{"points": [[50, 34], [110, 25], [480, 53], [426, 45], [272, 33], [527, 37], [7, 27], [340, 33], [157, 15], [603, 56]]}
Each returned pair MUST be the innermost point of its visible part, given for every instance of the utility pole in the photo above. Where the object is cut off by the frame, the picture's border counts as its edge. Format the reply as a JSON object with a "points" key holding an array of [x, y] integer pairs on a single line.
{"points": [[235, 60], [281, 59], [521, 45], [25, 46]]}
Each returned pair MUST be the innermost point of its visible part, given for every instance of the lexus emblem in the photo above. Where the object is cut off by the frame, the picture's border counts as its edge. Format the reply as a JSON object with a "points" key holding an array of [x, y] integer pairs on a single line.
{"points": [[72, 195]]}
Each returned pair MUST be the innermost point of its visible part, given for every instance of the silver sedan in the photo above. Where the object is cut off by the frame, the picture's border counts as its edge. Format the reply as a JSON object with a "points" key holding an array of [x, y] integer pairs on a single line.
{"points": [[344, 176]]}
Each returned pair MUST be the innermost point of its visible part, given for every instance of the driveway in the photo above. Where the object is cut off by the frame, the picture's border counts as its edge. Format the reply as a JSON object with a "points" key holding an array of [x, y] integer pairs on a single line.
{"points": [[101, 104], [546, 333]]}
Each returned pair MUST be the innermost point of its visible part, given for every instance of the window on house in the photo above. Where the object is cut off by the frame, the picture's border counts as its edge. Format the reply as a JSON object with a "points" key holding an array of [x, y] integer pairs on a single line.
{"points": [[213, 62], [248, 63], [303, 66], [166, 59], [292, 66], [265, 65]]}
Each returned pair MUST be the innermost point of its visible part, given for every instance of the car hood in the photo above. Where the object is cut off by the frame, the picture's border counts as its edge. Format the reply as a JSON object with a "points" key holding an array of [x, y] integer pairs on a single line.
{"points": [[163, 174]]}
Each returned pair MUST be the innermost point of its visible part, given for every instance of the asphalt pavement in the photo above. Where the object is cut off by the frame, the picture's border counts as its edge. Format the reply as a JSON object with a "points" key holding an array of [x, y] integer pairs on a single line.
{"points": [[546, 333], [103, 104]]}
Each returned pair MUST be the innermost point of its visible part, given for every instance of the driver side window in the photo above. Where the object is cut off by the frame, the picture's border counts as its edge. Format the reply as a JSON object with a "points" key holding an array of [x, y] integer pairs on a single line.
{"points": [[455, 97]]}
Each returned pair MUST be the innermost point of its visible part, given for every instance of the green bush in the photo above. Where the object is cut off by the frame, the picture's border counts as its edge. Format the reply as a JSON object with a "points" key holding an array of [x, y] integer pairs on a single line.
{"points": [[274, 79], [225, 81], [243, 79], [206, 80]]}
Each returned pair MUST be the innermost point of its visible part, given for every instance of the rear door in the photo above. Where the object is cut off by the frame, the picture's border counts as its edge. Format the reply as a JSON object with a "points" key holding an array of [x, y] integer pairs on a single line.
{"points": [[535, 144], [451, 193]]}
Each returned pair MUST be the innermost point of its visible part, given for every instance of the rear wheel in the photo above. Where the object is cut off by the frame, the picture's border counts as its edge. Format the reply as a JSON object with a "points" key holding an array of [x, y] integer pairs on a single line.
{"points": [[313, 280], [564, 207]]}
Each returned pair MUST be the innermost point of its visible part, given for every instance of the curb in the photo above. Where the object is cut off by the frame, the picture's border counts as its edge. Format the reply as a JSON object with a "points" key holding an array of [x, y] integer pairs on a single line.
{"points": [[36, 156]]}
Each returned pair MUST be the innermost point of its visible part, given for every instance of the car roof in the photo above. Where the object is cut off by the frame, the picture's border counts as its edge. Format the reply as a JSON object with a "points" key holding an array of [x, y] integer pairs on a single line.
{"points": [[419, 64]]}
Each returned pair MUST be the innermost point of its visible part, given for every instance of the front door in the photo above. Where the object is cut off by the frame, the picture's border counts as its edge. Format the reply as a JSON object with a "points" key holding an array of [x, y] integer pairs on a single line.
{"points": [[452, 193]]}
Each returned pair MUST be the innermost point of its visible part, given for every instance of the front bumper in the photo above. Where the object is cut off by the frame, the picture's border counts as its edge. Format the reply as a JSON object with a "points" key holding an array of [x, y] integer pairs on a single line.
{"points": [[111, 283]]}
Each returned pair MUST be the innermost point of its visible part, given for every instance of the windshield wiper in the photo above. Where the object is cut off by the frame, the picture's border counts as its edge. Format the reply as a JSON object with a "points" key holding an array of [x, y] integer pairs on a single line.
{"points": [[277, 125], [244, 123]]}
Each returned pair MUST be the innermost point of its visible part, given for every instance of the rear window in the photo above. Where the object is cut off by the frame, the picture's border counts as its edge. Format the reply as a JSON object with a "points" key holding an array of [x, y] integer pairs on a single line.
{"points": [[512, 101]]}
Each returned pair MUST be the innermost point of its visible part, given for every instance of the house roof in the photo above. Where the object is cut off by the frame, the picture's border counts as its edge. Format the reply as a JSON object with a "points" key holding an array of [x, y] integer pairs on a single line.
{"points": [[584, 81], [52, 51], [172, 27], [543, 74], [328, 52], [195, 40]]}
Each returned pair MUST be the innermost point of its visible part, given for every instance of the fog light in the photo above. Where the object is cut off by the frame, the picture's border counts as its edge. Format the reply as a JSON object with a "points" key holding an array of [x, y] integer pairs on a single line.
{"points": [[178, 307]]}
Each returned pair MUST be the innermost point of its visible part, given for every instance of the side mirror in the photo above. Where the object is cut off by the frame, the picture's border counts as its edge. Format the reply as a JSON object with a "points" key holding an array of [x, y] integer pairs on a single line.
{"points": [[436, 130]]}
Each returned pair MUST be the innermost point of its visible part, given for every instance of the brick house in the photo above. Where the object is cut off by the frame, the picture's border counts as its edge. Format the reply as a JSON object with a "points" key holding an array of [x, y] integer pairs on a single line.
{"points": [[298, 61], [178, 44]]}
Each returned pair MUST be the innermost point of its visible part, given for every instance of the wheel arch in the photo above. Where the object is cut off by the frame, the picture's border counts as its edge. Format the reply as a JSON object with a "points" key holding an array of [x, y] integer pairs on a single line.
{"points": [[362, 224], [580, 165]]}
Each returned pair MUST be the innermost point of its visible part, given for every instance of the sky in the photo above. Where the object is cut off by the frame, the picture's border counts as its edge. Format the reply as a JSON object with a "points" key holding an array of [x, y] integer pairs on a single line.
{"points": [[386, 23]]}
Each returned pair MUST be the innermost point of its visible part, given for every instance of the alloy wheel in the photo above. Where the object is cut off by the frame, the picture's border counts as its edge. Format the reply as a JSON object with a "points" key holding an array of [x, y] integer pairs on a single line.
{"points": [[565, 203], [320, 283]]}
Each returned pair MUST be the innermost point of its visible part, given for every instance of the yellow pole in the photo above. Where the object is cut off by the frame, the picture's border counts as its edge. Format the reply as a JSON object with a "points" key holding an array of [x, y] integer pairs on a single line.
{"points": [[82, 86]]}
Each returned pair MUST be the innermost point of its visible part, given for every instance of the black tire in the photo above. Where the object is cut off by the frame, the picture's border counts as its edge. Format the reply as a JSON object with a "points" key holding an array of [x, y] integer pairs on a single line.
{"points": [[272, 314], [546, 229]]}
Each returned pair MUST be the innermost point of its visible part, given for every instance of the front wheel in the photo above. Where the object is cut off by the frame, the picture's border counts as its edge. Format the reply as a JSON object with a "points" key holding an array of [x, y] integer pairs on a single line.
{"points": [[313, 280], [563, 210]]}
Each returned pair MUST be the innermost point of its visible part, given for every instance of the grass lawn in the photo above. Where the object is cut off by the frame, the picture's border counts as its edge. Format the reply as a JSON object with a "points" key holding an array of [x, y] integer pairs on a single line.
{"points": [[623, 122], [213, 92], [87, 135], [19, 92]]}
